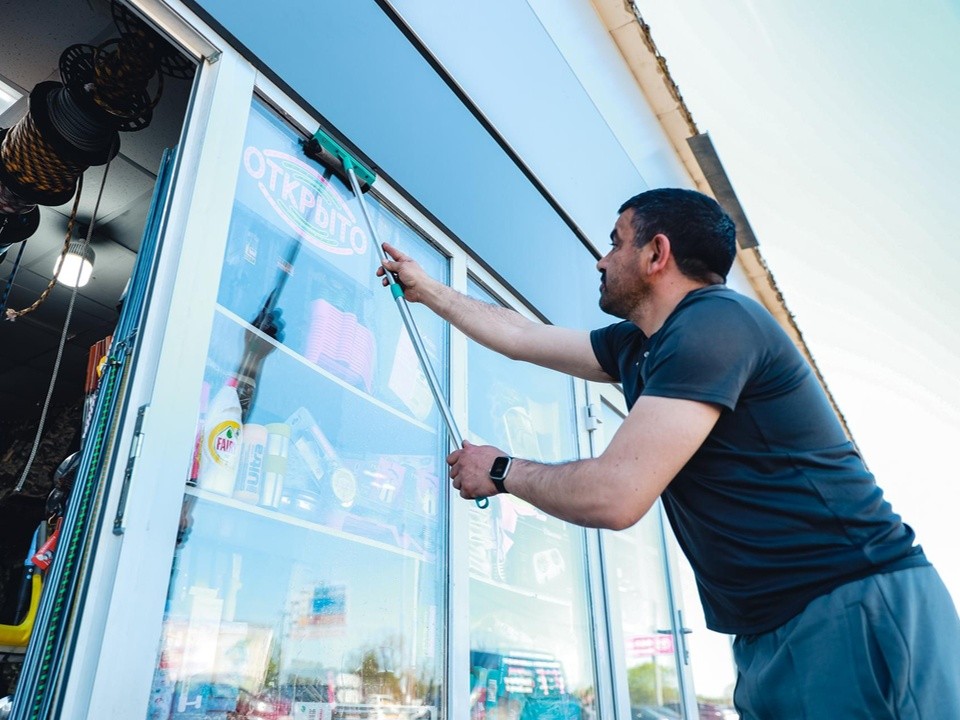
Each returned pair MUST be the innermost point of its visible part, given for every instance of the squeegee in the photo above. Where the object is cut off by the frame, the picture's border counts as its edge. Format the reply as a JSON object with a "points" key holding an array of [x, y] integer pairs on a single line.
{"points": [[325, 149]]}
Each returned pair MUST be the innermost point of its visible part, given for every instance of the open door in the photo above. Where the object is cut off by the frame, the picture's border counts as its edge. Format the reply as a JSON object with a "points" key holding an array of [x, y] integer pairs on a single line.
{"points": [[77, 527]]}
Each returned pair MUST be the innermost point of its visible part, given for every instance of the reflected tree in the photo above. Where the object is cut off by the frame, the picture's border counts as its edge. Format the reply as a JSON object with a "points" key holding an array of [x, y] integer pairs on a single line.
{"points": [[652, 684]]}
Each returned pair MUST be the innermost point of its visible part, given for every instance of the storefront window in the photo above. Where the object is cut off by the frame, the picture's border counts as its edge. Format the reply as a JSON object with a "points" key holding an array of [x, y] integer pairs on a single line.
{"points": [[309, 573], [639, 608], [711, 653], [531, 650]]}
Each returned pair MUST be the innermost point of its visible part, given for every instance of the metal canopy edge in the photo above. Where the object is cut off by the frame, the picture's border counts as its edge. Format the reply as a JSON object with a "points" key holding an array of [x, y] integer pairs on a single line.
{"points": [[709, 161]]}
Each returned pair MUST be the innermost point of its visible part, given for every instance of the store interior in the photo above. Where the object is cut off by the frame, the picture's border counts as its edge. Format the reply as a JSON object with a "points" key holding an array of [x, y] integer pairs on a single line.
{"points": [[57, 41]]}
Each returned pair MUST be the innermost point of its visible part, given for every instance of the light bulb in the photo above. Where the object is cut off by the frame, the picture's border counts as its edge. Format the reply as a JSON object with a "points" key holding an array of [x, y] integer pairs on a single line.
{"points": [[77, 265]]}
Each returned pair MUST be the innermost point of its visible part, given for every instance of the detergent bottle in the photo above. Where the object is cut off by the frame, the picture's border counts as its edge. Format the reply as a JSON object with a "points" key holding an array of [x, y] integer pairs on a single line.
{"points": [[220, 454]]}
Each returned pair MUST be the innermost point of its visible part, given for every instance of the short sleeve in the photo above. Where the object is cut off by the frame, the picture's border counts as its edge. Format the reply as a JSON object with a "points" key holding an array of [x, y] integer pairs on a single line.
{"points": [[603, 347], [708, 353], [611, 343]]}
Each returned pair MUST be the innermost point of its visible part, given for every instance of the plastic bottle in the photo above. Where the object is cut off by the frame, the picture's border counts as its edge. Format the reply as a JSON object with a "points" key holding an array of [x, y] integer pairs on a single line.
{"points": [[220, 454], [198, 443], [275, 464]]}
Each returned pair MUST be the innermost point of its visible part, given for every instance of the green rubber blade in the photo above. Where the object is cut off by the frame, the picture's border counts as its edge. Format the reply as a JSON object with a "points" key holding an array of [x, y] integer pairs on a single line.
{"points": [[365, 175]]}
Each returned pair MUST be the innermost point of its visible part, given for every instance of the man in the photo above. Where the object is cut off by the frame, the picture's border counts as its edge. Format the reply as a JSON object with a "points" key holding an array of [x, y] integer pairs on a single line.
{"points": [[836, 611]]}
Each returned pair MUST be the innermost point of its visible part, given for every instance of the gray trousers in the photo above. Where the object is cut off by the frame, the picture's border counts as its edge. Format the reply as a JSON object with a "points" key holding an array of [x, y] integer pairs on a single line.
{"points": [[883, 648]]}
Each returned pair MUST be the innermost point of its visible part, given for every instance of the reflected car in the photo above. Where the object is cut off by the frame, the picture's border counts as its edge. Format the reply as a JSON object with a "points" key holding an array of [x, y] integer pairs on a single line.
{"points": [[264, 707], [653, 712], [709, 711]]}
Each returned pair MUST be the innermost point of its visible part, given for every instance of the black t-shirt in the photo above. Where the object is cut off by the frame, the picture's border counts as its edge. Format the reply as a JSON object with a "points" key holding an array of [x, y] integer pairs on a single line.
{"points": [[776, 507]]}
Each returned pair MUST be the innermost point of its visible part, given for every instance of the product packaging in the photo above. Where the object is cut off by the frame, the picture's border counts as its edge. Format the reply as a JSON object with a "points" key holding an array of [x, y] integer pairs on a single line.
{"points": [[311, 444], [337, 342], [198, 444], [320, 457], [252, 465], [407, 379], [275, 464]]}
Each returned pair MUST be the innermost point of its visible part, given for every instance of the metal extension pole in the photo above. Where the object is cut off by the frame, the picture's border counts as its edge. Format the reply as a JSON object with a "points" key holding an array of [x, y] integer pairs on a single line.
{"points": [[397, 291]]}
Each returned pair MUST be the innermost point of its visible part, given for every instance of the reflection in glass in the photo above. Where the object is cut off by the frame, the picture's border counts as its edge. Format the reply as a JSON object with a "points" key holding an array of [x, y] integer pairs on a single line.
{"points": [[531, 649], [711, 653], [639, 608], [308, 577]]}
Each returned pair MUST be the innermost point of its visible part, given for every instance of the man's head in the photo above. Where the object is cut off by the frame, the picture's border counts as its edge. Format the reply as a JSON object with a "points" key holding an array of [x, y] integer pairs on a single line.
{"points": [[659, 233], [702, 236]]}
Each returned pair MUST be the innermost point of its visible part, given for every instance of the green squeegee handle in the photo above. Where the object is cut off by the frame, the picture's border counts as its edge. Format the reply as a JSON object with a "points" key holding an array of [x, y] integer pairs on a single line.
{"points": [[354, 169]]}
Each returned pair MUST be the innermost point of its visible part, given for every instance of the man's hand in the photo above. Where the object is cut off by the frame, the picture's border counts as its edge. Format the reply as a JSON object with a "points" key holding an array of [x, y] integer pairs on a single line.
{"points": [[470, 470], [657, 438], [414, 281]]}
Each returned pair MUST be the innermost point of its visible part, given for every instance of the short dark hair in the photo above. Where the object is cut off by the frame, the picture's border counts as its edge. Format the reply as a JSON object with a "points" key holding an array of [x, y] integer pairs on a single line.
{"points": [[703, 238]]}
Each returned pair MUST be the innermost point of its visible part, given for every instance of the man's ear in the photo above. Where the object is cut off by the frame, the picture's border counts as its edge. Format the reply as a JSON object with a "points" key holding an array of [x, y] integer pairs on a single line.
{"points": [[659, 246]]}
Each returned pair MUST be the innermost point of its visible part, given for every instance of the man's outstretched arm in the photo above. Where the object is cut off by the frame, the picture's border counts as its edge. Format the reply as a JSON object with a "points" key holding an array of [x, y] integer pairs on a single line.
{"points": [[612, 491], [503, 330]]}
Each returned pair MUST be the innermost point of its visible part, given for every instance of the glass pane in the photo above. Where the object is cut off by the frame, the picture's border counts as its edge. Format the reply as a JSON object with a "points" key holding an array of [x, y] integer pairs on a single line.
{"points": [[309, 572], [531, 648], [711, 653], [639, 607]]}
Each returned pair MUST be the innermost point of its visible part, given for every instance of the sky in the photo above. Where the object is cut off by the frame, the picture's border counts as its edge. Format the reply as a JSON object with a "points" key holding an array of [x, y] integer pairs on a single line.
{"points": [[838, 123]]}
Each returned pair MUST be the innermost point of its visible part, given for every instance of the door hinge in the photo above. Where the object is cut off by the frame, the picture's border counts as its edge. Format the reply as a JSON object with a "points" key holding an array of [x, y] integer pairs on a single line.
{"points": [[592, 415], [135, 444]]}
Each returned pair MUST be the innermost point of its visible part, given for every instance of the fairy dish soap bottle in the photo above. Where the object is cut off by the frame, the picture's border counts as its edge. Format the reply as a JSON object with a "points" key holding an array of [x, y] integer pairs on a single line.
{"points": [[219, 456]]}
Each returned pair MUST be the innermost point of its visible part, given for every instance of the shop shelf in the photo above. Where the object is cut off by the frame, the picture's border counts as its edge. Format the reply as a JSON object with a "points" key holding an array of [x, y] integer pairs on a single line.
{"points": [[523, 592], [352, 389], [293, 521]]}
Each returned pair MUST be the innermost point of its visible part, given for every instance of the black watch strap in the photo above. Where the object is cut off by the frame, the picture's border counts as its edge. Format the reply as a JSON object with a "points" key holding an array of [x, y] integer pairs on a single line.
{"points": [[498, 472]]}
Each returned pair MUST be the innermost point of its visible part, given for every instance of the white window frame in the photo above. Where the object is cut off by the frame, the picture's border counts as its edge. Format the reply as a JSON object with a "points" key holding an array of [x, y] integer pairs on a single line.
{"points": [[110, 669], [613, 396]]}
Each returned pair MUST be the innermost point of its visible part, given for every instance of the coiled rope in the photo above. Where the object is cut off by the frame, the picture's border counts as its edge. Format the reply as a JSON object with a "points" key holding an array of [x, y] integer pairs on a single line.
{"points": [[121, 77], [11, 314], [78, 128], [35, 163]]}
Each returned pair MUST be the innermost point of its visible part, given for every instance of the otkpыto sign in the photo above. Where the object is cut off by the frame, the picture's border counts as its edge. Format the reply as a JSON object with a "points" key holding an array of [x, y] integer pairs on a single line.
{"points": [[306, 201]]}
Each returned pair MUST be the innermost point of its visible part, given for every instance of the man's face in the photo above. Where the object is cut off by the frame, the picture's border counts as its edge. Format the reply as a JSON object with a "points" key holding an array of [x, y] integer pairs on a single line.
{"points": [[622, 287]]}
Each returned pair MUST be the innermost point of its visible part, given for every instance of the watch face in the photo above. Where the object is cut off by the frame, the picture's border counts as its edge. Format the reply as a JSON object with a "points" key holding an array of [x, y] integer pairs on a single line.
{"points": [[500, 466]]}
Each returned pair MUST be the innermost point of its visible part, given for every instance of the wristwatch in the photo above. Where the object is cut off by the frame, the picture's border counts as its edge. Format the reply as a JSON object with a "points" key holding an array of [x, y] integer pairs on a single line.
{"points": [[498, 472]]}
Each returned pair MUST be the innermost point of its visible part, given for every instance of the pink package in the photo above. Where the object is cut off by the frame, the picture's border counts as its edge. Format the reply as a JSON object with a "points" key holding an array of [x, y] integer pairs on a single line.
{"points": [[340, 344]]}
